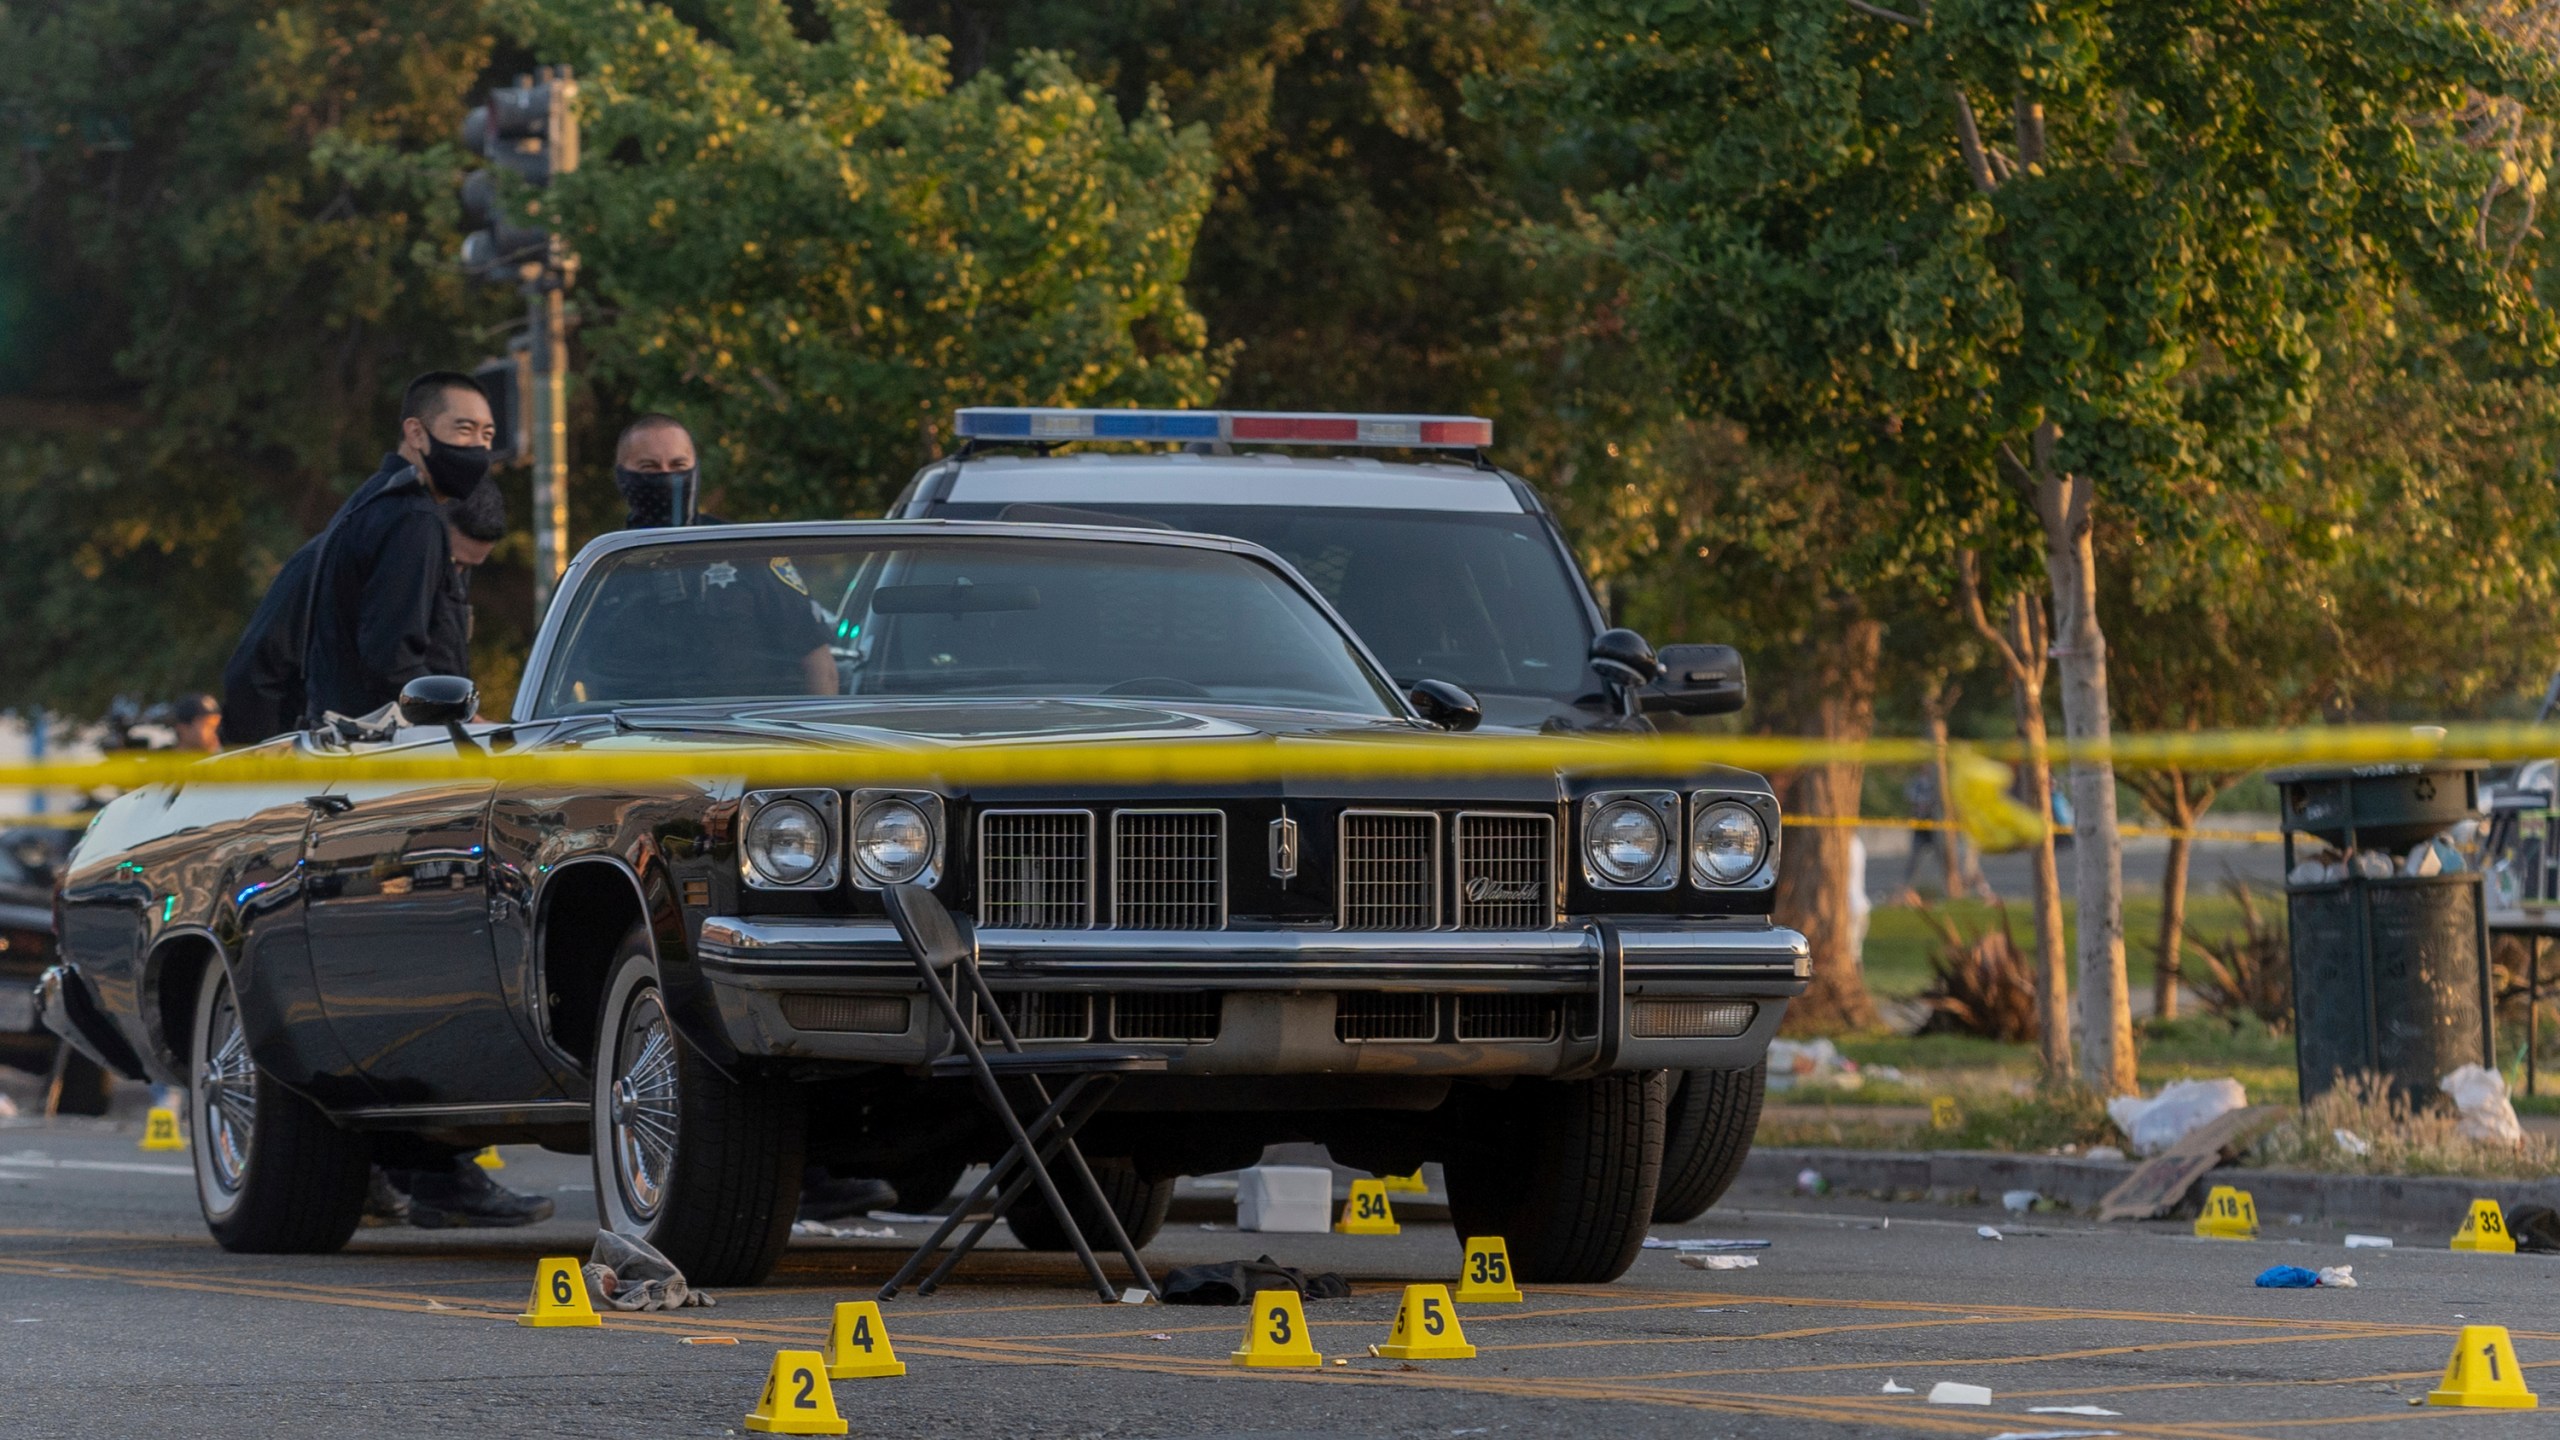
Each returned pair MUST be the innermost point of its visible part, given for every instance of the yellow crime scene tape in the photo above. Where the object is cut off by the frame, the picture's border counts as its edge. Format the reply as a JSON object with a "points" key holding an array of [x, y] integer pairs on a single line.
{"points": [[1981, 804]]}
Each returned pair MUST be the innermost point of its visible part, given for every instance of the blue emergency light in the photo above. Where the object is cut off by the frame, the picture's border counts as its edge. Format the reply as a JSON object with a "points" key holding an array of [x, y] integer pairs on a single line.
{"points": [[1256, 427]]}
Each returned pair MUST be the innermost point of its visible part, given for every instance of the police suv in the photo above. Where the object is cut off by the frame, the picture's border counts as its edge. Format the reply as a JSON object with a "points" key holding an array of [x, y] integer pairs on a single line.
{"points": [[1448, 566]]}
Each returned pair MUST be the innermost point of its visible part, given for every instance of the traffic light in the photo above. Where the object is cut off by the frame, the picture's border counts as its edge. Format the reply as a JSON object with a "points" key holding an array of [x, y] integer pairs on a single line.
{"points": [[508, 382], [529, 129]]}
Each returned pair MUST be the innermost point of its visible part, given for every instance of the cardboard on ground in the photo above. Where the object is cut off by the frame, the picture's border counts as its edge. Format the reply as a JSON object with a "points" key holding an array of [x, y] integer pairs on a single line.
{"points": [[2165, 1179]]}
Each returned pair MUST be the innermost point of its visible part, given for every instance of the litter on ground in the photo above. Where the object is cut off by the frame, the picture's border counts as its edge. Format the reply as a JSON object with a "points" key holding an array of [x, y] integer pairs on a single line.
{"points": [[2155, 1124], [2294, 1277], [1986, 1232], [2368, 1242], [1720, 1262], [1948, 1392], [1891, 1388]]}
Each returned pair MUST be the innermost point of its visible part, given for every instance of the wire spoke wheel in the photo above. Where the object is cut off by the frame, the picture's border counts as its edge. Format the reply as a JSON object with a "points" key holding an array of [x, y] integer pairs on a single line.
{"points": [[644, 1105], [227, 1096]]}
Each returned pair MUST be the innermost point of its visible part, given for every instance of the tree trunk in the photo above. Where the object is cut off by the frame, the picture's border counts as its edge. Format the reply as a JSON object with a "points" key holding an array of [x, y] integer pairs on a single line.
{"points": [[2053, 971], [1814, 867], [2105, 1039], [2173, 898], [1950, 859]]}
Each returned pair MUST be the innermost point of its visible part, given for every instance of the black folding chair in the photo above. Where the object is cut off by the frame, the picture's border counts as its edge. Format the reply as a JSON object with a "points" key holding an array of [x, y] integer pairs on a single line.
{"points": [[938, 944]]}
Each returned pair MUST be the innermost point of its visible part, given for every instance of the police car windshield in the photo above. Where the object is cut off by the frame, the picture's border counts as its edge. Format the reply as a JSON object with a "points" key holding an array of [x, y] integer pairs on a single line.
{"points": [[1483, 600], [948, 616]]}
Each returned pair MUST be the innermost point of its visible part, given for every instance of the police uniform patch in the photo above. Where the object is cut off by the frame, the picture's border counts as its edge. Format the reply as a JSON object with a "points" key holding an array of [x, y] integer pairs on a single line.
{"points": [[787, 573]]}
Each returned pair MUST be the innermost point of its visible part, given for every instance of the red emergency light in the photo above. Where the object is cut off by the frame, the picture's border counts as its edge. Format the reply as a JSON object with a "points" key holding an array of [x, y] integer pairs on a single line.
{"points": [[1258, 427]]}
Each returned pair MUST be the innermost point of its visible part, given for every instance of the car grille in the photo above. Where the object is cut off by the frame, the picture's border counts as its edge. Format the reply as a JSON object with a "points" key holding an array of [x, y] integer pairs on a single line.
{"points": [[1505, 865], [1041, 1015], [1168, 870], [846, 1014], [1035, 869], [1507, 1017], [1379, 1016], [1186, 1016], [1390, 870]]}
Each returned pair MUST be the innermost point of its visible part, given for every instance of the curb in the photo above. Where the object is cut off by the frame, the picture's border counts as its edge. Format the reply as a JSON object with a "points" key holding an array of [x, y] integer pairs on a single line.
{"points": [[1950, 1176]]}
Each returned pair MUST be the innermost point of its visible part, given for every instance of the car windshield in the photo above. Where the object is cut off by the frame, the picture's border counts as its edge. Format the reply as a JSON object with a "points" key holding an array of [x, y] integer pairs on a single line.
{"points": [[1482, 600], [948, 616]]}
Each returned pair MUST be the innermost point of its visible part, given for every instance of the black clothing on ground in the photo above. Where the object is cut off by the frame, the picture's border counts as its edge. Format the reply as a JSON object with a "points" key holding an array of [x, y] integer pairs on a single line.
{"points": [[1236, 1282], [380, 585], [262, 687]]}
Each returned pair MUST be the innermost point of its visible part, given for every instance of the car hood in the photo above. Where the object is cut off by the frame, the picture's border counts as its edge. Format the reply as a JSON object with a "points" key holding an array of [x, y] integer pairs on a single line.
{"points": [[906, 722]]}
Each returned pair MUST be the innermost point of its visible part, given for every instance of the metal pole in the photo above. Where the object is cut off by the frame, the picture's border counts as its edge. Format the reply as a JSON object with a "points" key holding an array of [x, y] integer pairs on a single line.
{"points": [[550, 440]]}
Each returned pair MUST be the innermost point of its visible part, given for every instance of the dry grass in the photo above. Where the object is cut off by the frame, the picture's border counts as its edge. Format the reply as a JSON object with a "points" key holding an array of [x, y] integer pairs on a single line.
{"points": [[1980, 984], [2424, 1139], [2023, 1120], [2249, 971]]}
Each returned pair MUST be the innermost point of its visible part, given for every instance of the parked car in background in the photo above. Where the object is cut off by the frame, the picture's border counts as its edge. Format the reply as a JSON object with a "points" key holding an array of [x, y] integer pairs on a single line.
{"points": [[31, 859], [1449, 567]]}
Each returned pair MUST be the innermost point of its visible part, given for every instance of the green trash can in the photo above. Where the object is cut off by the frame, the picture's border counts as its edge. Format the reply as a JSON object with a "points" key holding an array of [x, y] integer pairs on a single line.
{"points": [[2390, 968]]}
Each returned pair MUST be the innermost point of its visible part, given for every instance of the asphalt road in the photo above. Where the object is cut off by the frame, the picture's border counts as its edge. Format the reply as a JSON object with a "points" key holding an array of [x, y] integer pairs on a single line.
{"points": [[119, 1318]]}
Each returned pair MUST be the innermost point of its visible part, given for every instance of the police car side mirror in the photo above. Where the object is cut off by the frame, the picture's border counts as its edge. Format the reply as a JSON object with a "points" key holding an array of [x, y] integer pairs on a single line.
{"points": [[438, 700], [1445, 705], [1698, 680]]}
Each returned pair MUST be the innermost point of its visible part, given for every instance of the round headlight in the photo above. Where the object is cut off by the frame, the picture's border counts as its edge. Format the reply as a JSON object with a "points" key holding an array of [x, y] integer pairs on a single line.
{"points": [[1624, 842], [1726, 844], [892, 842], [787, 842]]}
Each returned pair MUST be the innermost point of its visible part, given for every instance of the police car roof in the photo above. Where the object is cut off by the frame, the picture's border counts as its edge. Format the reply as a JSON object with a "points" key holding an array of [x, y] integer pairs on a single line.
{"points": [[1352, 483]]}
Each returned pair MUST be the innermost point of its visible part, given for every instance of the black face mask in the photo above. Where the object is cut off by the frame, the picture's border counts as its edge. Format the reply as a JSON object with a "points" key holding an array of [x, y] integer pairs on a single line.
{"points": [[455, 469], [662, 498]]}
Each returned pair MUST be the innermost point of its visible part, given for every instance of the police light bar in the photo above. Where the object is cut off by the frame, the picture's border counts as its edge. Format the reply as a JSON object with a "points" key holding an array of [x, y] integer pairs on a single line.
{"points": [[1259, 427]]}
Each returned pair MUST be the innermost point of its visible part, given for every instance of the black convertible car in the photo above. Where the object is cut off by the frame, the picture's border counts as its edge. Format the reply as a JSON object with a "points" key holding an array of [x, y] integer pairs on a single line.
{"points": [[694, 981]]}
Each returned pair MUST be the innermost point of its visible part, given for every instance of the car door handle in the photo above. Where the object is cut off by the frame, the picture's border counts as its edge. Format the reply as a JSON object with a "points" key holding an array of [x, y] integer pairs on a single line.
{"points": [[329, 804]]}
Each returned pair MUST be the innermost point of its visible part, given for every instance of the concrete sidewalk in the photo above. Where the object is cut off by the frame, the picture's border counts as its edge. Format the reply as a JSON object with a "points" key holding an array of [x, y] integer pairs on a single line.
{"points": [[2417, 1202]]}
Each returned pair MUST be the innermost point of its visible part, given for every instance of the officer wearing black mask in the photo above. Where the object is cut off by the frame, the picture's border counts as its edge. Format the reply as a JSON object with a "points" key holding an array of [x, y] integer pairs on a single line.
{"points": [[660, 477], [762, 627], [385, 563]]}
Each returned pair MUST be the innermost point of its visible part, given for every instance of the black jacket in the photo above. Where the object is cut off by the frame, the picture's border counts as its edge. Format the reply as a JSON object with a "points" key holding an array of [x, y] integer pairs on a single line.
{"points": [[262, 691], [383, 569], [262, 686]]}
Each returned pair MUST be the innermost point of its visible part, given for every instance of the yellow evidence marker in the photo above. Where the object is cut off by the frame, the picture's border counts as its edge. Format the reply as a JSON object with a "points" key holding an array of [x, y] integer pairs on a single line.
{"points": [[858, 1343], [797, 1399], [1427, 1327], [2229, 1214], [1275, 1334], [560, 1296], [1406, 1184], [1484, 1277], [2482, 1374], [490, 1159], [1942, 1113], [160, 1130], [1367, 1211], [2485, 1229]]}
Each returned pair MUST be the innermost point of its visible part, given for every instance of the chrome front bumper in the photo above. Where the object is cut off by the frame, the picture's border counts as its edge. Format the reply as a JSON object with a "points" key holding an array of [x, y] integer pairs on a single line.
{"points": [[1280, 987], [63, 1006]]}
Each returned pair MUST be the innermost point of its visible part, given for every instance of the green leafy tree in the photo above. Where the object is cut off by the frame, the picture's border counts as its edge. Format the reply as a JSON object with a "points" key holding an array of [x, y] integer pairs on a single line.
{"points": [[798, 234], [2404, 563], [215, 304], [2110, 288]]}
